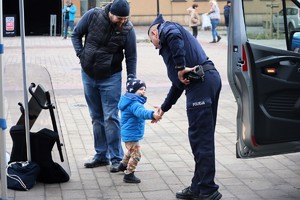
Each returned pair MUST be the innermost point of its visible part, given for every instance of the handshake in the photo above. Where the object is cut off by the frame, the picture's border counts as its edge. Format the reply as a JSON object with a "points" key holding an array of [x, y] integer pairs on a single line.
{"points": [[195, 75], [157, 115]]}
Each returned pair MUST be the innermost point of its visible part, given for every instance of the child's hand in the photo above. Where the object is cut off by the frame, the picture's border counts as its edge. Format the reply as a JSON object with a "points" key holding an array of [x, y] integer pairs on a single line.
{"points": [[157, 115]]}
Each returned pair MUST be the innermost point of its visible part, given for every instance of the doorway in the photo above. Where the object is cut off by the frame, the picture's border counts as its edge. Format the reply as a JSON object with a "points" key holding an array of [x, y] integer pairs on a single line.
{"points": [[36, 15]]}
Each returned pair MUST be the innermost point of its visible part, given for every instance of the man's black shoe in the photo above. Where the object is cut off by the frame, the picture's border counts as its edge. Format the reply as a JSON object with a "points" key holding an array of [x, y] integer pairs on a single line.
{"points": [[214, 41], [122, 167], [114, 167], [131, 178], [214, 196], [96, 163], [219, 38], [186, 194]]}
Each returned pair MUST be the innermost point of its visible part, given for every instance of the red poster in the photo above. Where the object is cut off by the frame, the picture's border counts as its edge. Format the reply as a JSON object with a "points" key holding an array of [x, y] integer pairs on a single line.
{"points": [[10, 23]]}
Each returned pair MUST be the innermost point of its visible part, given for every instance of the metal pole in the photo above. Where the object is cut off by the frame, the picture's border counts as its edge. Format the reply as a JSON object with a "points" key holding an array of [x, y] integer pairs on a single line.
{"points": [[2, 114], [62, 19], [157, 3], [24, 67]]}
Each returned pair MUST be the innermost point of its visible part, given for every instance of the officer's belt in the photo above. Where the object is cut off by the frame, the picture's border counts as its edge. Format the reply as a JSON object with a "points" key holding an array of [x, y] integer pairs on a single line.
{"points": [[199, 72], [208, 66]]}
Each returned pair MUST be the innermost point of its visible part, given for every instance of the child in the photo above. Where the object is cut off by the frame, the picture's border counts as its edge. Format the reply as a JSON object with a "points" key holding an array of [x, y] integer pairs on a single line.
{"points": [[133, 116]]}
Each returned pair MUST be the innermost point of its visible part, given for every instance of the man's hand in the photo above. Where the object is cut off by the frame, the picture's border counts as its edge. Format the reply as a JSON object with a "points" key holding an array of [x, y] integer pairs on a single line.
{"points": [[181, 75]]}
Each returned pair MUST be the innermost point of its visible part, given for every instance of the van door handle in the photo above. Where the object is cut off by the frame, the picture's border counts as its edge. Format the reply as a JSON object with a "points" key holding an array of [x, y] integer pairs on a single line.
{"points": [[240, 63]]}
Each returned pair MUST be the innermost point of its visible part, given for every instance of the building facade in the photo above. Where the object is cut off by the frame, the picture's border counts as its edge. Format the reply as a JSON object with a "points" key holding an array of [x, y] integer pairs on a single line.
{"points": [[144, 11]]}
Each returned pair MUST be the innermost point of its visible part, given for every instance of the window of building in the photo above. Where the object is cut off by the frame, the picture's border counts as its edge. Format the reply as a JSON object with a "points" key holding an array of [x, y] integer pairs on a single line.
{"points": [[88, 4], [83, 6]]}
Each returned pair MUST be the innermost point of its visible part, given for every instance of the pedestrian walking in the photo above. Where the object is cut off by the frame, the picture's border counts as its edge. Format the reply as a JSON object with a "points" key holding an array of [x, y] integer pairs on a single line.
{"points": [[226, 16], [109, 37], [214, 15], [194, 20], [69, 12], [190, 70]]}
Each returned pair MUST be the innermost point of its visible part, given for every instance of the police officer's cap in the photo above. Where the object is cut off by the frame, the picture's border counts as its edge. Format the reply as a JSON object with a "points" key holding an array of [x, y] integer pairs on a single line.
{"points": [[159, 20]]}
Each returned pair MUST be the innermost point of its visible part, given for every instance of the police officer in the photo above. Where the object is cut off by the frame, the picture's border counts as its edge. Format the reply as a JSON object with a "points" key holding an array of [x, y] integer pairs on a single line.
{"points": [[190, 69]]}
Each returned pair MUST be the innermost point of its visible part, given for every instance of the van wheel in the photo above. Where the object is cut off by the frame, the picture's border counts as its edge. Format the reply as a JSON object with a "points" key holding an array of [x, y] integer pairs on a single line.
{"points": [[236, 151], [291, 27]]}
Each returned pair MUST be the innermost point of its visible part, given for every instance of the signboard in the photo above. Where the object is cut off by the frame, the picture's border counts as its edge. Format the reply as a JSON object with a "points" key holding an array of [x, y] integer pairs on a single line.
{"points": [[9, 29]]}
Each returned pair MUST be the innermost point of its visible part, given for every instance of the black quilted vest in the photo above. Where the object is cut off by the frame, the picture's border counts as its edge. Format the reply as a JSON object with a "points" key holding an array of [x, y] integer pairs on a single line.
{"points": [[103, 53]]}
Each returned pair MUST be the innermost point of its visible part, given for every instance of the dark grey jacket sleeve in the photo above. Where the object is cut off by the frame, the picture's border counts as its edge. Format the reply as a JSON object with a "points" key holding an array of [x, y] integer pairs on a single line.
{"points": [[80, 30], [130, 53], [172, 97]]}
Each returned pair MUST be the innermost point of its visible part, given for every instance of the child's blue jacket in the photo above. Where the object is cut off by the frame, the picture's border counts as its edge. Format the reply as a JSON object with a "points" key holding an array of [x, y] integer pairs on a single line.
{"points": [[133, 116]]}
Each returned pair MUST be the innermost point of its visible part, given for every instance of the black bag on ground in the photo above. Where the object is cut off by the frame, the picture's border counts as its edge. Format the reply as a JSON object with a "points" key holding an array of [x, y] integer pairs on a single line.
{"points": [[41, 144], [22, 175]]}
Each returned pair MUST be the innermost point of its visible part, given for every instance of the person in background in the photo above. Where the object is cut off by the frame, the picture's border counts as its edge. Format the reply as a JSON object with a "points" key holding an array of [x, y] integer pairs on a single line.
{"points": [[109, 37], [69, 12], [214, 15], [133, 116], [194, 20], [226, 16], [190, 71]]}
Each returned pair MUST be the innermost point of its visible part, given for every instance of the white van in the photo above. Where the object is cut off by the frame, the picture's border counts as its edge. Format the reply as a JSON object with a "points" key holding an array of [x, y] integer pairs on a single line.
{"points": [[292, 16]]}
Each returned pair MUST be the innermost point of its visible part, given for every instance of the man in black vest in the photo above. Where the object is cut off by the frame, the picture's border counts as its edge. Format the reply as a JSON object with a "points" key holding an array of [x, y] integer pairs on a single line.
{"points": [[109, 37]]}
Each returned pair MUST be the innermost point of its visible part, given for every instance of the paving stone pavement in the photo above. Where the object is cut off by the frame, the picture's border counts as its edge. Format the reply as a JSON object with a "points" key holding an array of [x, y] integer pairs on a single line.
{"points": [[167, 162]]}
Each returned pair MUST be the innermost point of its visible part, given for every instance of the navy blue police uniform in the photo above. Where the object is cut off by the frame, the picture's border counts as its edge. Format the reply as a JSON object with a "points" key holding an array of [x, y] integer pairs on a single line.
{"points": [[179, 48]]}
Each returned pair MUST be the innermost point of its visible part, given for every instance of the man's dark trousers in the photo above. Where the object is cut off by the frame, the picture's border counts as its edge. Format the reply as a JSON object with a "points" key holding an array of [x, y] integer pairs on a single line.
{"points": [[202, 102]]}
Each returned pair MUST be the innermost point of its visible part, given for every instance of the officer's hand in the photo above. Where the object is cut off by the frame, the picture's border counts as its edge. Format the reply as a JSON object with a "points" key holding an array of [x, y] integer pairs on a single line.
{"points": [[181, 75]]}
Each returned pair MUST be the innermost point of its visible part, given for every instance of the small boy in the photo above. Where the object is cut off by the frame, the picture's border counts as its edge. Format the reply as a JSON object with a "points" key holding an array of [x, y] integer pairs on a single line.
{"points": [[133, 116]]}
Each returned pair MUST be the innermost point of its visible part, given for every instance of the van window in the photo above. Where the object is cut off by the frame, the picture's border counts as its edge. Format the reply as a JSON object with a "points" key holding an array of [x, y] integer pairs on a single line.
{"points": [[273, 26]]}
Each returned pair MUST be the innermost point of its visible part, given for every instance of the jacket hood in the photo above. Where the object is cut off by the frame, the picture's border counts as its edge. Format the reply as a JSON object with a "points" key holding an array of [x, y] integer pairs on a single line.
{"points": [[129, 98]]}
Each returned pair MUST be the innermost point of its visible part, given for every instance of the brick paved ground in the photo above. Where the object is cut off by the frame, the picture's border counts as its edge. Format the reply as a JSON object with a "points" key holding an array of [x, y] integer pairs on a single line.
{"points": [[167, 163]]}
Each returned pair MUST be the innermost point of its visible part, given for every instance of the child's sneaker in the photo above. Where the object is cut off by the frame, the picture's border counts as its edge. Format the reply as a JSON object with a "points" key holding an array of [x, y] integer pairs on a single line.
{"points": [[131, 178]]}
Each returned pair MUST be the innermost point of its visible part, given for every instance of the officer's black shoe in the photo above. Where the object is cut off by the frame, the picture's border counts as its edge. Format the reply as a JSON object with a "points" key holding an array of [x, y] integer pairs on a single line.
{"points": [[96, 163], [131, 178], [186, 194], [214, 196], [122, 167]]}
